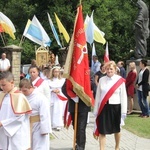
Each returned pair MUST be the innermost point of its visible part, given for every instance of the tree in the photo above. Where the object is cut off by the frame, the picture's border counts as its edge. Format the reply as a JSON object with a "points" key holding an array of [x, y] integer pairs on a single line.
{"points": [[116, 18]]}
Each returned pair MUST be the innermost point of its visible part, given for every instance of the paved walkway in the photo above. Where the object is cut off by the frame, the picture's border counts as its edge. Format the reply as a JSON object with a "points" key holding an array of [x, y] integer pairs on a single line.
{"points": [[64, 140]]}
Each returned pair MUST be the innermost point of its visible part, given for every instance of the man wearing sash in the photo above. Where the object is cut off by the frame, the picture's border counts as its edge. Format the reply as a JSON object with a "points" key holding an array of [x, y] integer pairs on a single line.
{"points": [[40, 117], [14, 116], [110, 106]]}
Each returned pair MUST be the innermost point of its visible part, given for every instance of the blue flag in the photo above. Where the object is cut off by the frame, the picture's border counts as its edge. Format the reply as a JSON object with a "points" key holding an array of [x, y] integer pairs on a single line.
{"points": [[37, 34], [54, 30], [90, 30]]}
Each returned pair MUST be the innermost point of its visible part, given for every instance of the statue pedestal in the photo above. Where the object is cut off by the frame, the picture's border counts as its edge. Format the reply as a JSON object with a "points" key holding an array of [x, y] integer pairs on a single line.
{"points": [[136, 105]]}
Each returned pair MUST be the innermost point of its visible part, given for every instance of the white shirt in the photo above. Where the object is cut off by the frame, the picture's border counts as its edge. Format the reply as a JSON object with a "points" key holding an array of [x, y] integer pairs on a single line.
{"points": [[140, 79], [118, 97], [96, 66], [4, 64]]}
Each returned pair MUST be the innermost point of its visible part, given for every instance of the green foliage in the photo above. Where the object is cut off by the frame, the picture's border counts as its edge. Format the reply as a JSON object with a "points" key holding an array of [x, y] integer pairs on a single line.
{"points": [[115, 18], [28, 52]]}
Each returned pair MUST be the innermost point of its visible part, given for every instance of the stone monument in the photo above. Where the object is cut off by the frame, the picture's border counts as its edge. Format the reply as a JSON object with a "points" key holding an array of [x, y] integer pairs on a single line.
{"points": [[141, 30]]}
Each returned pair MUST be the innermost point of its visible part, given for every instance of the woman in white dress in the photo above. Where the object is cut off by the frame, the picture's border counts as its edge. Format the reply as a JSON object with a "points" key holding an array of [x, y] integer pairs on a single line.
{"points": [[57, 98]]}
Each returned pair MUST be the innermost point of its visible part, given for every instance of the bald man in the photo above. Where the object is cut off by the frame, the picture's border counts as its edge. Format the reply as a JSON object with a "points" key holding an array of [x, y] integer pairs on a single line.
{"points": [[4, 63]]}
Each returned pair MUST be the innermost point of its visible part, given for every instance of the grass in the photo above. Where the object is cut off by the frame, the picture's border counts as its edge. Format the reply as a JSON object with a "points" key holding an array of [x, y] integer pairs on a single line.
{"points": [[137, 125]]}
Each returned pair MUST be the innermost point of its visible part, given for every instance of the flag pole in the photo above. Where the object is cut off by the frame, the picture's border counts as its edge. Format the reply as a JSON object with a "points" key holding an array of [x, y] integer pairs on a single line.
{"points": [[75, 125], [22, 38], [2, 39], [61, 37], [21, 41]]}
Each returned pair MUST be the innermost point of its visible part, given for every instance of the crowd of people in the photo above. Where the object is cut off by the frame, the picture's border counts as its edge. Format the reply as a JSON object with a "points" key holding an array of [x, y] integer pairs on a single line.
{"points": [[38, 108]]}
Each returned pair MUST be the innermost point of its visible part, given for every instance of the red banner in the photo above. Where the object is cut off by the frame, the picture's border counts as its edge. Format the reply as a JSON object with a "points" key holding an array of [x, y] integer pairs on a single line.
{"points": [[79, 68]]}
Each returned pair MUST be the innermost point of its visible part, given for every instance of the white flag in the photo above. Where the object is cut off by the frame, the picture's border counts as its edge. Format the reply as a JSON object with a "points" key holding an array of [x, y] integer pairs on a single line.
{"points": [[37, 34]]}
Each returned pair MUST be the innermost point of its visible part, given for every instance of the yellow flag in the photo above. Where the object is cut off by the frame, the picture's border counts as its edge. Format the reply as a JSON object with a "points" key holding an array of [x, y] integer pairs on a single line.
{"points": [[7, 29], [27, 26], [7, 25], [99, 35], [62, 29]]}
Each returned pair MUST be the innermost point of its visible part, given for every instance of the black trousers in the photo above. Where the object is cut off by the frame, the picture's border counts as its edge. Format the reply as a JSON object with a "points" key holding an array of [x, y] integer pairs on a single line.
{"points": [[81, 129]]}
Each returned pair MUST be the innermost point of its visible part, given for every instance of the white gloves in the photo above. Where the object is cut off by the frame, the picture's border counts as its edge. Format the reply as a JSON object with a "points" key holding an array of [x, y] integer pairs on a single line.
{"points": [[123, 116], [75, 99]]}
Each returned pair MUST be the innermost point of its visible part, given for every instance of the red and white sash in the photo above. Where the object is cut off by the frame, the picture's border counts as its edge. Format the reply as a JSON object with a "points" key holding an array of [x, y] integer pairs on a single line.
{"points": [[38, 82], [71, 94], [67, 117], [61, 96], [105, 99]]}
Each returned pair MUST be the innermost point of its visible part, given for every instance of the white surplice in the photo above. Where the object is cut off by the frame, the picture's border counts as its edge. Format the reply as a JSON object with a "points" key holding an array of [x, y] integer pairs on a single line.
{"points": [[57, 105], [43, 88], [40, 106], [15, 132]]}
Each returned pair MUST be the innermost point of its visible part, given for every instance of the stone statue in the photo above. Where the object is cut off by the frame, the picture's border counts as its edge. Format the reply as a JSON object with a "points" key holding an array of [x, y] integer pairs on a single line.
{"points": [[141, 30]]}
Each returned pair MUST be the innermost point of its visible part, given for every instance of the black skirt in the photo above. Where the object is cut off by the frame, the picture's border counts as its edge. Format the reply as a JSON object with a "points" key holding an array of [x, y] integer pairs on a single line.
{"points": [[109, 119]]}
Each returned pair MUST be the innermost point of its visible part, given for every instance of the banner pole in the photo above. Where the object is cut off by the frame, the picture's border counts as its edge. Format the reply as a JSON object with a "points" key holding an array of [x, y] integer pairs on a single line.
{"points": [[75, 125], [2, 39], [21, 40]]}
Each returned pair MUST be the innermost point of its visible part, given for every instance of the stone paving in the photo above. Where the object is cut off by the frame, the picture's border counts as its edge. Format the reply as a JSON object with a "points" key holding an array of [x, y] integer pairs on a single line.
{"points": [[63, 140]]}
